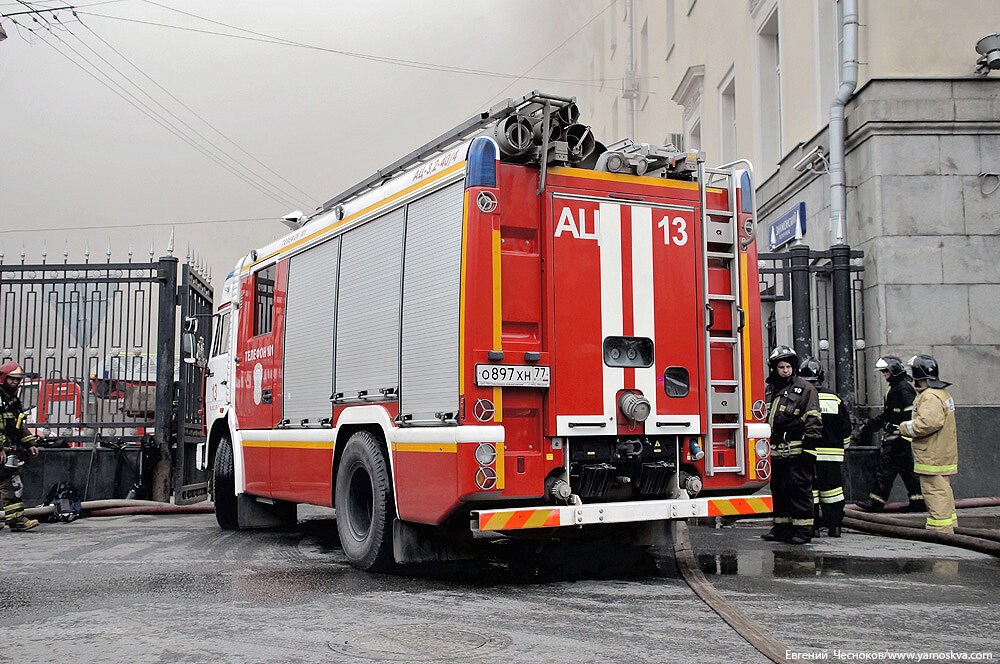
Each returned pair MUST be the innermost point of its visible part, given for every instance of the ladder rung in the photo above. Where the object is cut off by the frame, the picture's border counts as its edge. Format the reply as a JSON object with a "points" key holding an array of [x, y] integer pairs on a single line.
{"points": [[726, 425], [720, 254], [722, 340], [724, 383], [720, 296], [727, 469], [719, 213]]}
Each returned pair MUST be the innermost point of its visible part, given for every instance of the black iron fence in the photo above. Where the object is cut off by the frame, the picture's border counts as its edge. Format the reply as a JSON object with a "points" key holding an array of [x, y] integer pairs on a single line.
{"points": [[99, 342]]}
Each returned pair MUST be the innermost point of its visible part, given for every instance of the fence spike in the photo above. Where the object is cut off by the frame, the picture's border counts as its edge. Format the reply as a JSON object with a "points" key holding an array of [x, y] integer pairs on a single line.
{"points": [[1, 254], [23, 252], [86, 251], [45, 251], [152, 250], [170, 243], [108, 252], [66, 252], [130, 251]]}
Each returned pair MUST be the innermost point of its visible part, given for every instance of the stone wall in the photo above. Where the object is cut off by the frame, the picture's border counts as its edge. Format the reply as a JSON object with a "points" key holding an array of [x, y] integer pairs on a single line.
{"points": [[928, 220]]}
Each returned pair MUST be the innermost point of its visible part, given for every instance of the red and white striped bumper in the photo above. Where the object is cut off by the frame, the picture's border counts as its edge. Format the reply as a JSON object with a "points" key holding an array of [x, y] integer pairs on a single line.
{"points": [[628, 512]]}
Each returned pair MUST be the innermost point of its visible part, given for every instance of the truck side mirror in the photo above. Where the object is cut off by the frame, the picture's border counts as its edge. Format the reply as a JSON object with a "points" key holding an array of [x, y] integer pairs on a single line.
{"points": [[187, 347], [193, 349]]}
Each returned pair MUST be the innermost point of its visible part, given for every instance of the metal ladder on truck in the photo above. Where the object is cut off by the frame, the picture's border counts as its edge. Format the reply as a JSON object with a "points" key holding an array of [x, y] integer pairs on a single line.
{"points": [[724, 398]]}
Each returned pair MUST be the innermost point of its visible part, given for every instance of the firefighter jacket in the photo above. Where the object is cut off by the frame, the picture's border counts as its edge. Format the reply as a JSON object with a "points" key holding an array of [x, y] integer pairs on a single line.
{"points": [[794, 416], [14, 435], [935, 439], [836, 428], [897, 409]]}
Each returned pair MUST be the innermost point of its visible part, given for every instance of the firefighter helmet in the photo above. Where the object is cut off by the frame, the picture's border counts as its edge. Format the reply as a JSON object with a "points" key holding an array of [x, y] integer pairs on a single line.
{"points": [[925, 367], [812, 370], [11, 370], [892, 364], [783, 354]]}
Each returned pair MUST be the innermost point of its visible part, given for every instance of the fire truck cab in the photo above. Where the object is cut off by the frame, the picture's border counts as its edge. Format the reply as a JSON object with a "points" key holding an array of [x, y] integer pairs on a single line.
{"points": [[513, 330]]}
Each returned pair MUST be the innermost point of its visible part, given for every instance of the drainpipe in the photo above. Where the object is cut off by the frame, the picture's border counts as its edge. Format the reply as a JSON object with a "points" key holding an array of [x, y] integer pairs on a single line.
{"points": [[630, 86], [843, 327], [849, 76]]}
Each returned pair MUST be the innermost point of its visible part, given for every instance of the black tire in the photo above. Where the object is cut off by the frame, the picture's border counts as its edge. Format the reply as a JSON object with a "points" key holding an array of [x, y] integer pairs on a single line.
{"points": [[364, 503], [224, 486]]}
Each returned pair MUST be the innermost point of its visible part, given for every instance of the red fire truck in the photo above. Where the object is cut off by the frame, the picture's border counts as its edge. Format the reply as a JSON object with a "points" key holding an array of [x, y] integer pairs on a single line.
{"points": [[513, 330]]}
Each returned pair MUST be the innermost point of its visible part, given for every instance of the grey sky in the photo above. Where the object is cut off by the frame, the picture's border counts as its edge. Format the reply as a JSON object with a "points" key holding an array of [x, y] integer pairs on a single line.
{"points": [[76, 155]]}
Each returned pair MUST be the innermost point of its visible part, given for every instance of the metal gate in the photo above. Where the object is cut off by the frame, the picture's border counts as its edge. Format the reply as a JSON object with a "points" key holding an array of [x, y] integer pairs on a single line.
{"points": [[195, 294], [98, 341]]}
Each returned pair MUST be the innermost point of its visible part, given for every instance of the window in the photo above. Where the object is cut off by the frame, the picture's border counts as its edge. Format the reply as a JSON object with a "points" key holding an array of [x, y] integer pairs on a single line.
{"points": [[688, 95], [263, 301], [671, 21], [220, 345], [769, 71], [727, 118], [828, 39]]}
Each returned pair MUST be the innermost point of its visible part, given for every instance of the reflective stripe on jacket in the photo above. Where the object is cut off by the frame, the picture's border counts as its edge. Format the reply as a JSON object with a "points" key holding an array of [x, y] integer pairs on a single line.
{"points": [[935, 438]]}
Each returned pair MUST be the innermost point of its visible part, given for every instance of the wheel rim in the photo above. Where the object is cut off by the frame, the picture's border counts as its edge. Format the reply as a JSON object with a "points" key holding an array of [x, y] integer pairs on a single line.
{"points": [[361, 495]]}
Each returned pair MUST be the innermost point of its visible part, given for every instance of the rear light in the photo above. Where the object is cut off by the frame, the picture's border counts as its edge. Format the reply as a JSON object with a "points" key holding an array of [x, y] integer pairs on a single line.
{"points": [[762, 448], [486, 454], [486, 478], [763, 469]]}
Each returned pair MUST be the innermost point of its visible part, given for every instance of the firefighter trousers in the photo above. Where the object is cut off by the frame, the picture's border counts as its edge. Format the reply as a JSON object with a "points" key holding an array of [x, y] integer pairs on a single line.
{"points": [[896, 458], [791, 491], [828, 494], [940, 503], [11, 492]]}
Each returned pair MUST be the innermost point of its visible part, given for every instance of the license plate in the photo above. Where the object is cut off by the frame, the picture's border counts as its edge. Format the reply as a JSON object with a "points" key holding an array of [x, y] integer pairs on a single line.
{"points": [[512, 375]]}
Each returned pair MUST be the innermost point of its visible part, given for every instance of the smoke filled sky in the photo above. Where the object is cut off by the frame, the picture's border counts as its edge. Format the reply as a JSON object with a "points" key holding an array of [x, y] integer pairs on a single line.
{"points": [[214, 119]]}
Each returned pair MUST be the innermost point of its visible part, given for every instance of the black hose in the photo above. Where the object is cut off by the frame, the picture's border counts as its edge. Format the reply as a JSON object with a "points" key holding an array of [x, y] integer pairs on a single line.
{"points": [[907, 522], [909, 532]]}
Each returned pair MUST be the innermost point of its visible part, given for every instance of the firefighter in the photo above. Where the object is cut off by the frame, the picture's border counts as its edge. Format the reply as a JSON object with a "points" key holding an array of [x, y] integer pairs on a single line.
{"points": [[17, 442], [895, 456], [796, 431], [935, 442], [828, 486]]}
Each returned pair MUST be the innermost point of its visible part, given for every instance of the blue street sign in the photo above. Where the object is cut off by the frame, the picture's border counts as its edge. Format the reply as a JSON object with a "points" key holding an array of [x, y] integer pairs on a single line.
{"points": [[791, 226]]}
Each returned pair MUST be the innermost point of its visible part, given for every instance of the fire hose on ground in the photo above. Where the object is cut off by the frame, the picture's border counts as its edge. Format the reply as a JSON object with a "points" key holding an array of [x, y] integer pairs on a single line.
{"points": [[122, 507], [981, 540]]}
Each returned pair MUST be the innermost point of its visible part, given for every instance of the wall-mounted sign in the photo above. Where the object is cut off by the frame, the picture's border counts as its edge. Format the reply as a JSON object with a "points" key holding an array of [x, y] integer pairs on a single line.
{"points": [[791, 226]]}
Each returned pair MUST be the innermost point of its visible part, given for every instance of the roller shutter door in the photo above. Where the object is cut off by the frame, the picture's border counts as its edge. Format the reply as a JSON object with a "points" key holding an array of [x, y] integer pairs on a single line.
{"points": [[309, 327], [367, 357], [431, 283]]}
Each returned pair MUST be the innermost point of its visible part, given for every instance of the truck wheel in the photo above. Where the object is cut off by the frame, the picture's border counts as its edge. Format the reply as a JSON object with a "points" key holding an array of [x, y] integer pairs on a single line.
{"points": [[364, 504], [224, 486]]}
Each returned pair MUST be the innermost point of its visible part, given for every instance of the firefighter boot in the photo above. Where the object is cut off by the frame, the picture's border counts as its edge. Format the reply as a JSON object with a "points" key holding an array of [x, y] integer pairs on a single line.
{"points": [[22, 525], [835, 530], [778, 533], [800, 535], [916, 506]]}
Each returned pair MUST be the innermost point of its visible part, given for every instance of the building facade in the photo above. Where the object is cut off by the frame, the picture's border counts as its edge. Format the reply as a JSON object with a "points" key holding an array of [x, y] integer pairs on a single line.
{"points": [[755, 79]]}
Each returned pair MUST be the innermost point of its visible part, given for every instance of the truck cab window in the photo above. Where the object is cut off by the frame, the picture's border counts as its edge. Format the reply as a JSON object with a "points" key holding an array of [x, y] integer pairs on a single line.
{"points": [[263, 301], [221, 343]]}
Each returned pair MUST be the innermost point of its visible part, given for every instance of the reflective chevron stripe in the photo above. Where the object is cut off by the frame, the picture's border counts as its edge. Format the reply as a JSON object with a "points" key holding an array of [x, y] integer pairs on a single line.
{"points": [[731, 506], [519, 519]]}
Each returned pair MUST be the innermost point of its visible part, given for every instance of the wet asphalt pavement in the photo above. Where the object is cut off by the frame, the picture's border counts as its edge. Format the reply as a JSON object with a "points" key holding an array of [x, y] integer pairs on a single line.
{"points": [[178, 589]]}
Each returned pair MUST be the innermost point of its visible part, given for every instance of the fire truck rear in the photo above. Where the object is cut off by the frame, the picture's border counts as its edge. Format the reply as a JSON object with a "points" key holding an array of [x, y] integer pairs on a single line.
{"points": [[512, 330]]}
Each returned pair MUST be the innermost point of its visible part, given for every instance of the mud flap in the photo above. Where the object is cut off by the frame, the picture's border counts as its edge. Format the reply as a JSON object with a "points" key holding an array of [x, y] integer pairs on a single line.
{"points": [[252, 512], [419, 543]]}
